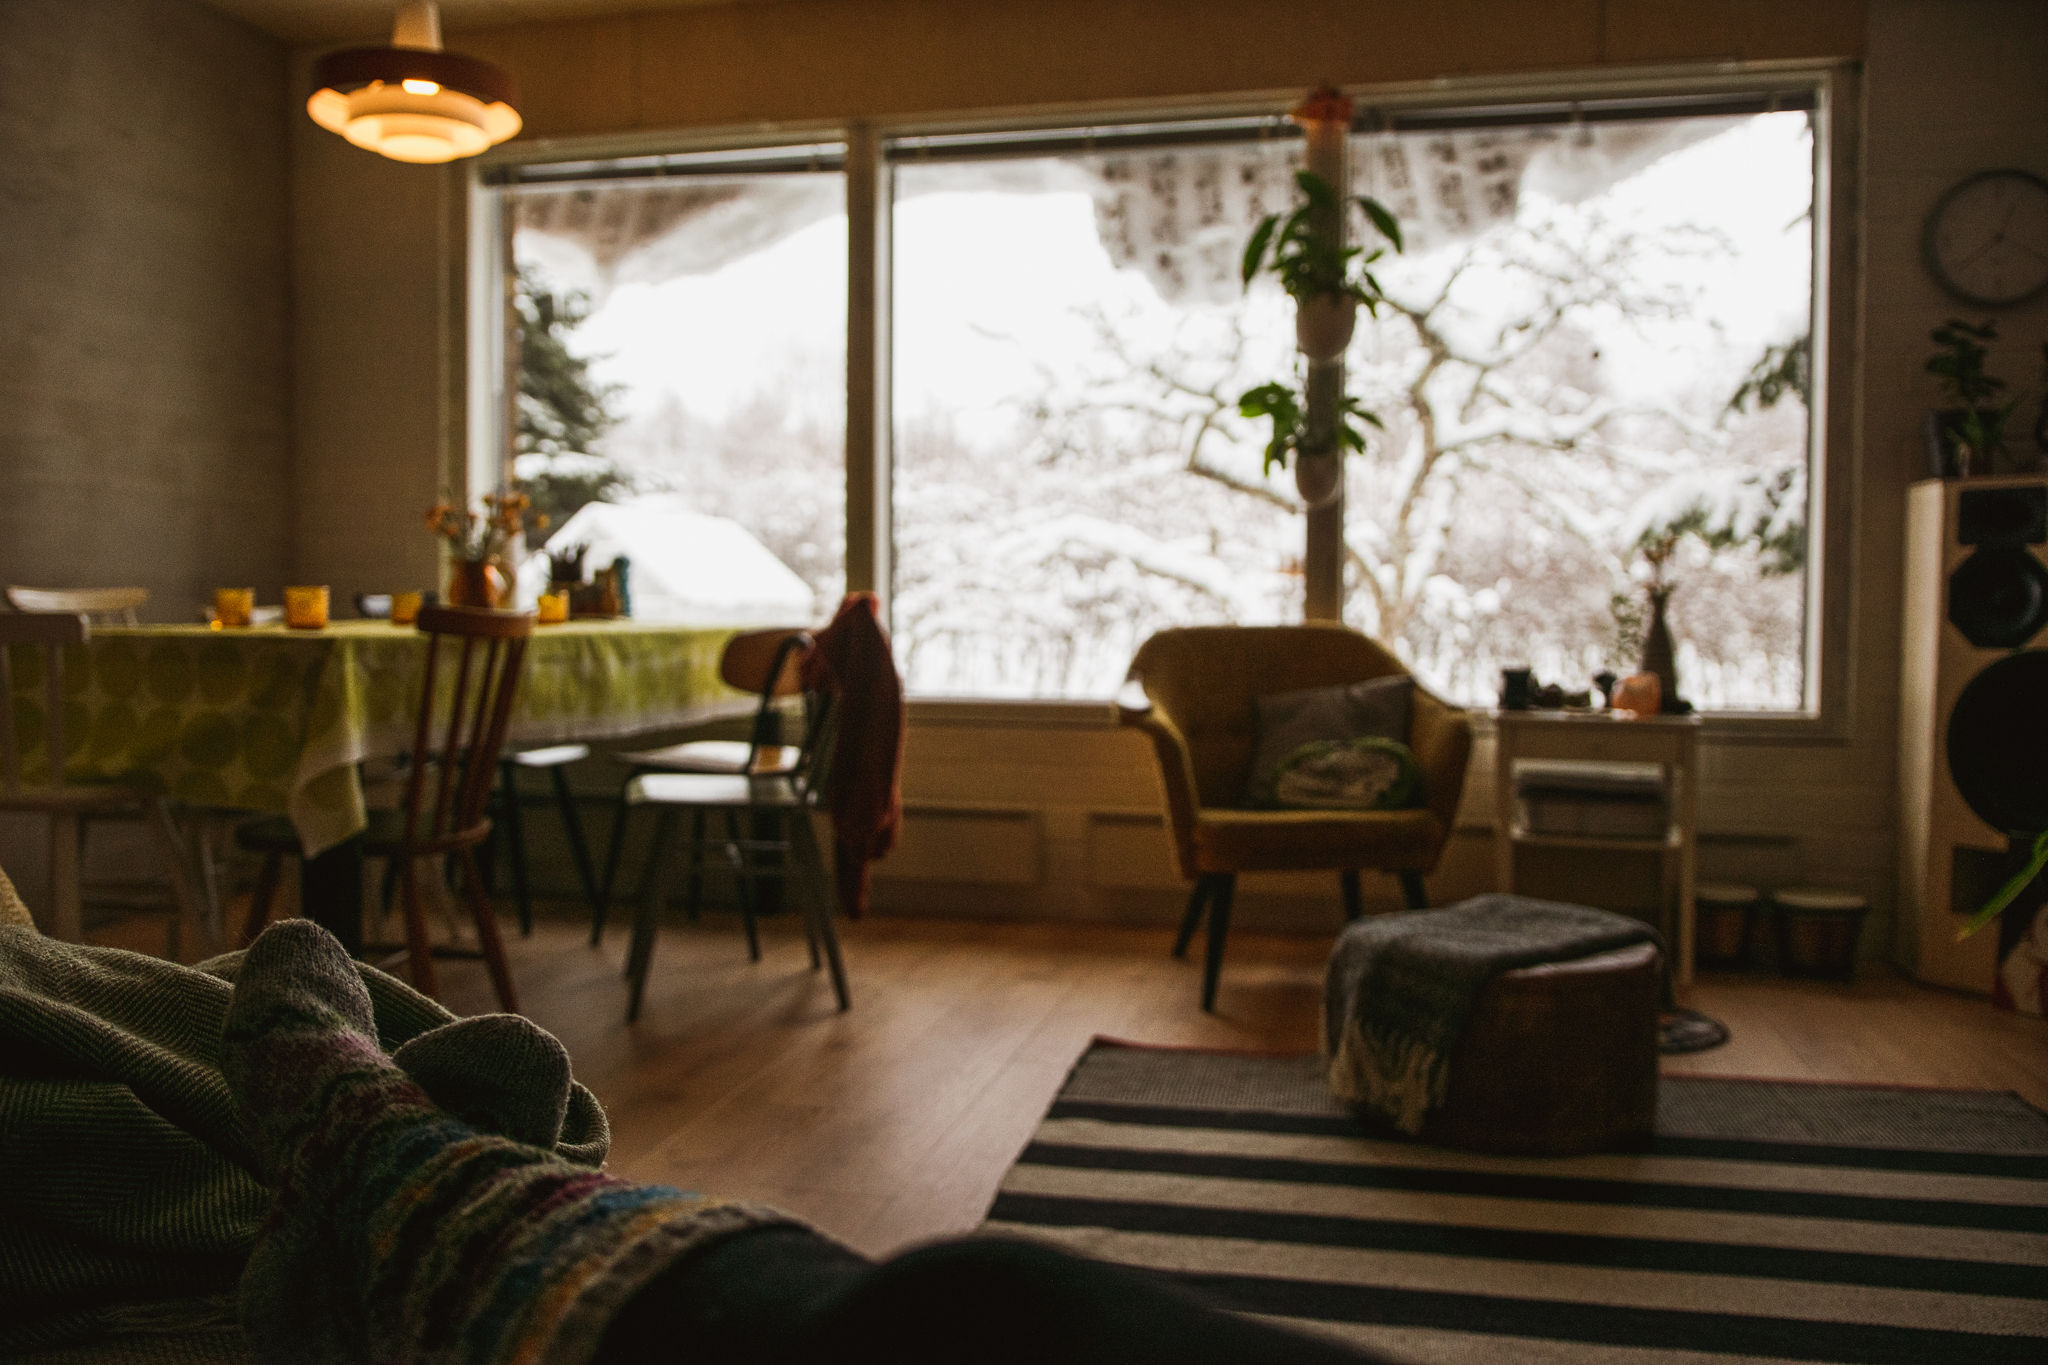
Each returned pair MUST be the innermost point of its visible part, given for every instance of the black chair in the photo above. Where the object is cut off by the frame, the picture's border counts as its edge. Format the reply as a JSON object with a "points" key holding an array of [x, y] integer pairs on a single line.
{"points": [[553, 759], [765, 662], [768, 836]]}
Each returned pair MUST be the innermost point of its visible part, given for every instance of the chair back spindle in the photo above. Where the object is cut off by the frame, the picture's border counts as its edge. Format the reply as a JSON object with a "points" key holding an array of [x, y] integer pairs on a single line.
{"points": [[460, 746]]}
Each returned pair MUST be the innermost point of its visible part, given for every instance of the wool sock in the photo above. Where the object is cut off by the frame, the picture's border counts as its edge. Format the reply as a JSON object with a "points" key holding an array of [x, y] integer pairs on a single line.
{"points": [[399, 1232], [501, 1073]]}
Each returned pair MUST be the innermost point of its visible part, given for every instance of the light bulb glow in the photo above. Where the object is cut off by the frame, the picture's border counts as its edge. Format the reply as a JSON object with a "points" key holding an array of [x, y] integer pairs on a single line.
{"points": [[413, 87]]}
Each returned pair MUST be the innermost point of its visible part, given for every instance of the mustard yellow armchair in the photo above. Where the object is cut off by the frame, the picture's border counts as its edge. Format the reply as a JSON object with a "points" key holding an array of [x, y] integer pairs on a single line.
{"points": [[1191, 691]]}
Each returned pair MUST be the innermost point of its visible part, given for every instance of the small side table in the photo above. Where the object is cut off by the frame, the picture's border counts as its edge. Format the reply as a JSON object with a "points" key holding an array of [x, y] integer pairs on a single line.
{"points": [[1595, 736]]}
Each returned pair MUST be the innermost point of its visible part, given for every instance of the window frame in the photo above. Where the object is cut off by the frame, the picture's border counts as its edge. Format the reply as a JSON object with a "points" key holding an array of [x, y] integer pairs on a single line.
{"points": [[1833, 474]]}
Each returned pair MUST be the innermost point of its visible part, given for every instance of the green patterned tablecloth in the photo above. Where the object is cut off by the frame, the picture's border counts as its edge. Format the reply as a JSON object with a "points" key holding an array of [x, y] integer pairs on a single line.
{"points": [[275, 720]]}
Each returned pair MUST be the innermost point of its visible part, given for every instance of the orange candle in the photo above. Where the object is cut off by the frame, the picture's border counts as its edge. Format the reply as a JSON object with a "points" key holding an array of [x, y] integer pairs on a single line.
{"points": [[233, 606], [305, 608], [554, 608]]}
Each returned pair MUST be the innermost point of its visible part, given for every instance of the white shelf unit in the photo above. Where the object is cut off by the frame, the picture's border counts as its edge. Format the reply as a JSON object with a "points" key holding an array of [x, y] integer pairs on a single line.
{"points": [[1671, 742]]}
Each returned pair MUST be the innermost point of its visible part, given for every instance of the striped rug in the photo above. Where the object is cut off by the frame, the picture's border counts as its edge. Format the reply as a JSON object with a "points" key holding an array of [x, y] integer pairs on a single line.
{"points": [[1768, 1222]]}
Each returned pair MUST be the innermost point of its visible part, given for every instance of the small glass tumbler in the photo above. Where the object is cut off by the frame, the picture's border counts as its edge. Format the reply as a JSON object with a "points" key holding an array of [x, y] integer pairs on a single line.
{"points": [[305, 608], [233, 607], [554, 608], [405, 608]]}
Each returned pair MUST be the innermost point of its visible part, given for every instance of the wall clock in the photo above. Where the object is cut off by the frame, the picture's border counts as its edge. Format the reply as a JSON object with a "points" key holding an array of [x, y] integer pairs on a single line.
{"points": [[1987, 239]]}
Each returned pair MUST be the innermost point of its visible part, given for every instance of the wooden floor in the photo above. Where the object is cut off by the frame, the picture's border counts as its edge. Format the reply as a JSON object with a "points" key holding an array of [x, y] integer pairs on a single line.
{"points": [[893, 1122]]}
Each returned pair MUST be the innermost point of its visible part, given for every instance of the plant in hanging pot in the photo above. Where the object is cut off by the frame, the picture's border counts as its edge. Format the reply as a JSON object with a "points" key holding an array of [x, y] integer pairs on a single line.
{"points": [[477, 542], [1967, 436], [1317, 466], [1327, 281]]}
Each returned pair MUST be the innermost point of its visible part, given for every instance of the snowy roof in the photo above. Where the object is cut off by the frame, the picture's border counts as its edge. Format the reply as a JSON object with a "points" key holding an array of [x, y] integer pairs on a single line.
{"points": [[688, 566]]}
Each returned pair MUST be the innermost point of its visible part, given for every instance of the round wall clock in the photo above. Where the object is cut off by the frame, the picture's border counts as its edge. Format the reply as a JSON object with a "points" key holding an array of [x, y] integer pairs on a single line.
{"points": [[1987, 239]]}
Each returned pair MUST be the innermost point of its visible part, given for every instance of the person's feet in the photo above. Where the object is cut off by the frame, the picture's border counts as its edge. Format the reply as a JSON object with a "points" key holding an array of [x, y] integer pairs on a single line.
{"points": [[501, 1073]]}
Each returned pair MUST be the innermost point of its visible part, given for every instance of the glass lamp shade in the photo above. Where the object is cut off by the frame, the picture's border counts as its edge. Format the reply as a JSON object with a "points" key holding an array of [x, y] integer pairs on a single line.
{"points": [[413, 104]]}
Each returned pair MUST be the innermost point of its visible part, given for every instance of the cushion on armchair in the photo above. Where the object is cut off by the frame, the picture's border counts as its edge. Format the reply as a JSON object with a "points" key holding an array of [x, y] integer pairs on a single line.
{"points": [[1304, 755]]}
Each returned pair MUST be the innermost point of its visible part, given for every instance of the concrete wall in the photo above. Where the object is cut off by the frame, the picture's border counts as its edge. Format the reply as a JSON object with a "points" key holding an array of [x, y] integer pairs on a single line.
{"points": [[144, 414], [1061, 819]]}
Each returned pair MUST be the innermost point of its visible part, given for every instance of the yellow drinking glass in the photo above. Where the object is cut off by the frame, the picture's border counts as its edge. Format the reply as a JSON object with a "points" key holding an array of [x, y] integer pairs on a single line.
{"points": [[305, 608], [233, 606], [405, 608], [554, 608]]}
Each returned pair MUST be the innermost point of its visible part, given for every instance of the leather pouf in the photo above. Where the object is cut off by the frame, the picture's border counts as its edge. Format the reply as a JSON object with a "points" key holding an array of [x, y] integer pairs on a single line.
{"points": [[1558, 1058]]}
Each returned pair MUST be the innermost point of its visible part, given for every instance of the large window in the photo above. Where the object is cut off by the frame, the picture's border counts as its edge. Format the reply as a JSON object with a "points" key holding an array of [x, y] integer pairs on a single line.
{"points": [[1593, 375], [680, 360]]}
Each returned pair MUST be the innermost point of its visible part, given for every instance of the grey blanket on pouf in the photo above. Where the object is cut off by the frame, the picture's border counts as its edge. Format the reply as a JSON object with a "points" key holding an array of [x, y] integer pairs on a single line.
{"points": [[1401, 987], [128, 1202]]}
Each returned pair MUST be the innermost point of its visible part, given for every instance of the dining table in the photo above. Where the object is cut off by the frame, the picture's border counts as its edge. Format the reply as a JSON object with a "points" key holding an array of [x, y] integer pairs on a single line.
{"points": [[278, 720]]}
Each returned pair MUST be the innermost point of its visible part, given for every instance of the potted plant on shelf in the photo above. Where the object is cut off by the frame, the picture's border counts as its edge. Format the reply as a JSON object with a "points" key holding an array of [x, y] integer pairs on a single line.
{"points": [[1327, 281], [477, 542], [1967, 436]]}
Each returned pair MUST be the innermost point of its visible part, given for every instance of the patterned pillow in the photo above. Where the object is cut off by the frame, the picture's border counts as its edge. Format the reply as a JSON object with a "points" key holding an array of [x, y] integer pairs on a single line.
{"points": [[1285, 721], [1367, 773]]}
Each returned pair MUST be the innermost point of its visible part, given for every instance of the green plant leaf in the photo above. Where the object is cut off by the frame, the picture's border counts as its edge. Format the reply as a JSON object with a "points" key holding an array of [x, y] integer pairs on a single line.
{"points": [[1255, 249], [1389, 227], [2005, 895]]}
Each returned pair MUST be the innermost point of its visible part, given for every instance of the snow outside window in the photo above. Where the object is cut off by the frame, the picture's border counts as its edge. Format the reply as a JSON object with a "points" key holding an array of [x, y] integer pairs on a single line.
{"points": [[1592, 375], [682, 347]]}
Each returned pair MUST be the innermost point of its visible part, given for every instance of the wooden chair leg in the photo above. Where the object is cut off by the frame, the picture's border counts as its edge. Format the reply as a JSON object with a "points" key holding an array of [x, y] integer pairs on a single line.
{"points": [[515, 846], [803, 842], [1219, 929], [419, 949], [487, 932], [641, 954], [1198, 901], [260, 897], [194, 931], [67, 897], [1354, 898], [693, 896], [1413, 891], [736, 854], [572, 824], [613, 846]]}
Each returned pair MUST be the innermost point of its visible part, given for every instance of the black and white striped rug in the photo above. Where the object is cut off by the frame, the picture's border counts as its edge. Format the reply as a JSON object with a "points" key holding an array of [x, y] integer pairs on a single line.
{"points": [[1770, 1221]]}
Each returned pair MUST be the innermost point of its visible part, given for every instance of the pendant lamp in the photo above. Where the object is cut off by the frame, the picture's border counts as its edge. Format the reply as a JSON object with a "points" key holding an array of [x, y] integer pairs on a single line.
{"points": [[411, 101]]}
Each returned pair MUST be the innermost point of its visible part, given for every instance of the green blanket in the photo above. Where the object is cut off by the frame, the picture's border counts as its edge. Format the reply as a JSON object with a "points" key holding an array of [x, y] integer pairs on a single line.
{"points": [[1401, 987], [127, 1203]]}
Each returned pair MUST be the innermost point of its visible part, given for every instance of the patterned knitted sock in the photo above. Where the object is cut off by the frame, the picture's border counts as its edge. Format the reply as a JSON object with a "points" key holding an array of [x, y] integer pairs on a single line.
{"points": [[399, 1232], [502, 1073]]}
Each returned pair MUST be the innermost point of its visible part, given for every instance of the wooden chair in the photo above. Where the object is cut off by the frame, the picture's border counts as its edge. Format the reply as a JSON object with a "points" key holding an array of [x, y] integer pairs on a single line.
{"points": [[100, 606], [44, 637], [1191, 692], [458, 757], [768, 663], [768, 835], [553, 759]]}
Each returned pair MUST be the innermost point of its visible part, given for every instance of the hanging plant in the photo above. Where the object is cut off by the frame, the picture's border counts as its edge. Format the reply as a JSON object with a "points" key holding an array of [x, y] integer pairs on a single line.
{"points": [[1282, 403], [1308, 262]]}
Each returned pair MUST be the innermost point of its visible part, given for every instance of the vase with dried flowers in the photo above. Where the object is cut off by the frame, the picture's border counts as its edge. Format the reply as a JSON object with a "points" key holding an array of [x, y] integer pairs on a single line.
{"points": [[477, 541]]}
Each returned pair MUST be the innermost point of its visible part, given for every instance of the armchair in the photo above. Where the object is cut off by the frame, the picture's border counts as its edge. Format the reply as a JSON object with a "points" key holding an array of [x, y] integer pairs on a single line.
{"points": [[1191, 691]]}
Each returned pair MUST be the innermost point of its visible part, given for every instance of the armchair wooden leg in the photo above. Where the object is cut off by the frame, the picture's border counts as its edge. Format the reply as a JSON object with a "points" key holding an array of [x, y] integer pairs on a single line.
{"points": [[1219, 928], [1354, 899], [1412, 889], [1198, 901]]}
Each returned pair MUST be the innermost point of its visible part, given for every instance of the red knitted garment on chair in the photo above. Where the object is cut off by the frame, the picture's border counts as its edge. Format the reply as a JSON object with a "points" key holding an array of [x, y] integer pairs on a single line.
{"points": [[863, 791]]}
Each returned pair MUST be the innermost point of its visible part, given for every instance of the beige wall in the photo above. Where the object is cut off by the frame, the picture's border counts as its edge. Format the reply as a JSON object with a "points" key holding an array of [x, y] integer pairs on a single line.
{"points": [[1060, 819], [143, 356]]}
